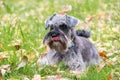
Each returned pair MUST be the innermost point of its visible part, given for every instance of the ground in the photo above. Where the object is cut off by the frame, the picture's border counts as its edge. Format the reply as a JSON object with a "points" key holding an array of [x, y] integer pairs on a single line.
{"points": [[22, 30]]}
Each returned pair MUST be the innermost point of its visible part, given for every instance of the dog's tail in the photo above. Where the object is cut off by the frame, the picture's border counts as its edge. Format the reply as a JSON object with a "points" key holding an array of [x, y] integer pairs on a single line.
{"points": [[83, 33]]}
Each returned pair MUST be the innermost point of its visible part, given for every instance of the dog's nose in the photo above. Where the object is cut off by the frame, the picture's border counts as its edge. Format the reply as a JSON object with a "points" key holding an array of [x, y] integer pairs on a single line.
{"points": [[54, 34]]}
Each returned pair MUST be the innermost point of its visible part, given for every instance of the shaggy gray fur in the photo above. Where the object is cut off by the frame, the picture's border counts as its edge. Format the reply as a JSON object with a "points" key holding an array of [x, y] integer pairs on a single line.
{"points": [[78, 56]]}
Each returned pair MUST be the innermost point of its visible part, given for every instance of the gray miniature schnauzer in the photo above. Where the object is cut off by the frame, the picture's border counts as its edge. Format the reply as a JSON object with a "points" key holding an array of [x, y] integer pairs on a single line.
{"points": [[66, 45]]}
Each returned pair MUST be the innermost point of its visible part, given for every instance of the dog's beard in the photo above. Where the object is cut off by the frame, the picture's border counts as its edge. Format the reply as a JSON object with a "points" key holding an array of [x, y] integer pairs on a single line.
{"points": [[59, 45]]}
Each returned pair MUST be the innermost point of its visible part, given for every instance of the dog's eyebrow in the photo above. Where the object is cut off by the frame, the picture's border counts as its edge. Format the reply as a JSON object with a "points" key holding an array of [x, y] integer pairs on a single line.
{"points": [[48, 21], [52, 17]]}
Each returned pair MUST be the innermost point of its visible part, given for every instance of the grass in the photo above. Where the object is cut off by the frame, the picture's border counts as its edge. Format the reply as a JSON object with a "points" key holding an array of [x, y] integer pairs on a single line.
{"points": [[22, 31]]}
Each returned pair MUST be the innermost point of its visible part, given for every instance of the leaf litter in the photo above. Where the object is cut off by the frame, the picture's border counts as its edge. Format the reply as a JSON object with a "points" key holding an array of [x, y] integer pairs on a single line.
{"points": [[22, 63]]}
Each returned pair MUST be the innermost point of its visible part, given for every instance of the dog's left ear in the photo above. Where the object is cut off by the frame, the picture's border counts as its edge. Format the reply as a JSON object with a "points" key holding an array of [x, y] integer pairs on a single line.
{"points": [[48, 22], [72, 21]]}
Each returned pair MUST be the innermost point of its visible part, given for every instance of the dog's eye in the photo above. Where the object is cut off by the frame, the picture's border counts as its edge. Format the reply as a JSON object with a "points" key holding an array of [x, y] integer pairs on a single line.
{"points": [[63, 27], [51, 28]]}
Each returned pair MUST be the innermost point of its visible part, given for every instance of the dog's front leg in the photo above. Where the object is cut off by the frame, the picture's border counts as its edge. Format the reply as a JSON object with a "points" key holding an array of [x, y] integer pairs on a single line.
{"points": [[75, 63], [50, 59]]}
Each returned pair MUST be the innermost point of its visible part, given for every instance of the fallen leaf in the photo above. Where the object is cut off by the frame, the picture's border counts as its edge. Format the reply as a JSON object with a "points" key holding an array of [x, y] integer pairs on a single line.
{"points": [[4, 69], [110, 76], [103, 55], [17, 47], [112, 61], [16, 43], [101, 65], [109, 54], [23, 62], [0, 76], [117, 74], [36, 77], [65, 9], [3, 56], [90, 18]]}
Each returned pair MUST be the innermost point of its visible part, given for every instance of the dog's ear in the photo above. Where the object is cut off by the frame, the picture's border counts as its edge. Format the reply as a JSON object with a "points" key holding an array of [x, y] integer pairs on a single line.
{"points": [[72, 21], [48, 22]]}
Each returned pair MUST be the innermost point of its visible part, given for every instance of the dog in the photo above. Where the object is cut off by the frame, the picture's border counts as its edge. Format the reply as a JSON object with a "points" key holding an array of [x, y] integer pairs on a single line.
{"points": [[66, 45]]}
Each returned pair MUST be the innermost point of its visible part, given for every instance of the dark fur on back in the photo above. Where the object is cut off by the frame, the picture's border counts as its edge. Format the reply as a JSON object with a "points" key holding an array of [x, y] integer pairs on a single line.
{"points": [[83, 33]]}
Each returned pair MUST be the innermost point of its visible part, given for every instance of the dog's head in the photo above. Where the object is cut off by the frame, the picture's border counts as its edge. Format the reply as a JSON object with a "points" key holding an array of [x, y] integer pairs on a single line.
{"points": [[61, 31]]}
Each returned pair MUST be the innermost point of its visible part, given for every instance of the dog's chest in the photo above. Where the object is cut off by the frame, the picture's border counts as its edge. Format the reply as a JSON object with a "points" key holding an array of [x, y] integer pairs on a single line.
{"points": [[66, 56]]}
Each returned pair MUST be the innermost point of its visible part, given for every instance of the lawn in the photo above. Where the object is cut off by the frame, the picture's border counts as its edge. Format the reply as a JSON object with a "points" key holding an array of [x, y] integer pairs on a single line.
{"points": [[22, 30]]}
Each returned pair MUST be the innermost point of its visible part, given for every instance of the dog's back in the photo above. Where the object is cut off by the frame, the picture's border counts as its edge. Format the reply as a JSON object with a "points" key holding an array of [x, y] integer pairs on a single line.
{"points": [[87, 49]]}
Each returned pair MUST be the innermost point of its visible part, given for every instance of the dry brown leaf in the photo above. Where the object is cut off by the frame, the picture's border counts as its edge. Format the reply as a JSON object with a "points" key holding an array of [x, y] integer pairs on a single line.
{"points": [[115, 59], [36, 77], [117, 74], [3, 56], [65, 9], [109, 77], [23, 62], [103, 55], [17, 47], [16, 43], [112, 61], [5, 68], [101, 65], [0, 76], [90, 18]]}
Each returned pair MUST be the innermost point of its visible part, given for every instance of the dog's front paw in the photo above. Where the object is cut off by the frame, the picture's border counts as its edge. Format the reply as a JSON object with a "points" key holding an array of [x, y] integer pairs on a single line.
{"points": [[77, 68], [43, 61]]}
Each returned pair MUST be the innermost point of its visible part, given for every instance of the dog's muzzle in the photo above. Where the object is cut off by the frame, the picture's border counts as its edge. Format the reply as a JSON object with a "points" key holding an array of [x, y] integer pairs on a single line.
{"points": [[55, 36]]}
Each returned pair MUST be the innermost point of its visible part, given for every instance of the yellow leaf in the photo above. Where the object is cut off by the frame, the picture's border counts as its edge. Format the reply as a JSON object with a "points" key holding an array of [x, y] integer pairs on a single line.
{"points": [[101, 65], [65, 9]]}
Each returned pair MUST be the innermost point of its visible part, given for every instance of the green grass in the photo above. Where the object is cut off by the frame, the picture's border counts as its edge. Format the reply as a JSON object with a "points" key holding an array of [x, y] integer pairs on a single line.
{"points": [[22, 24]]}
